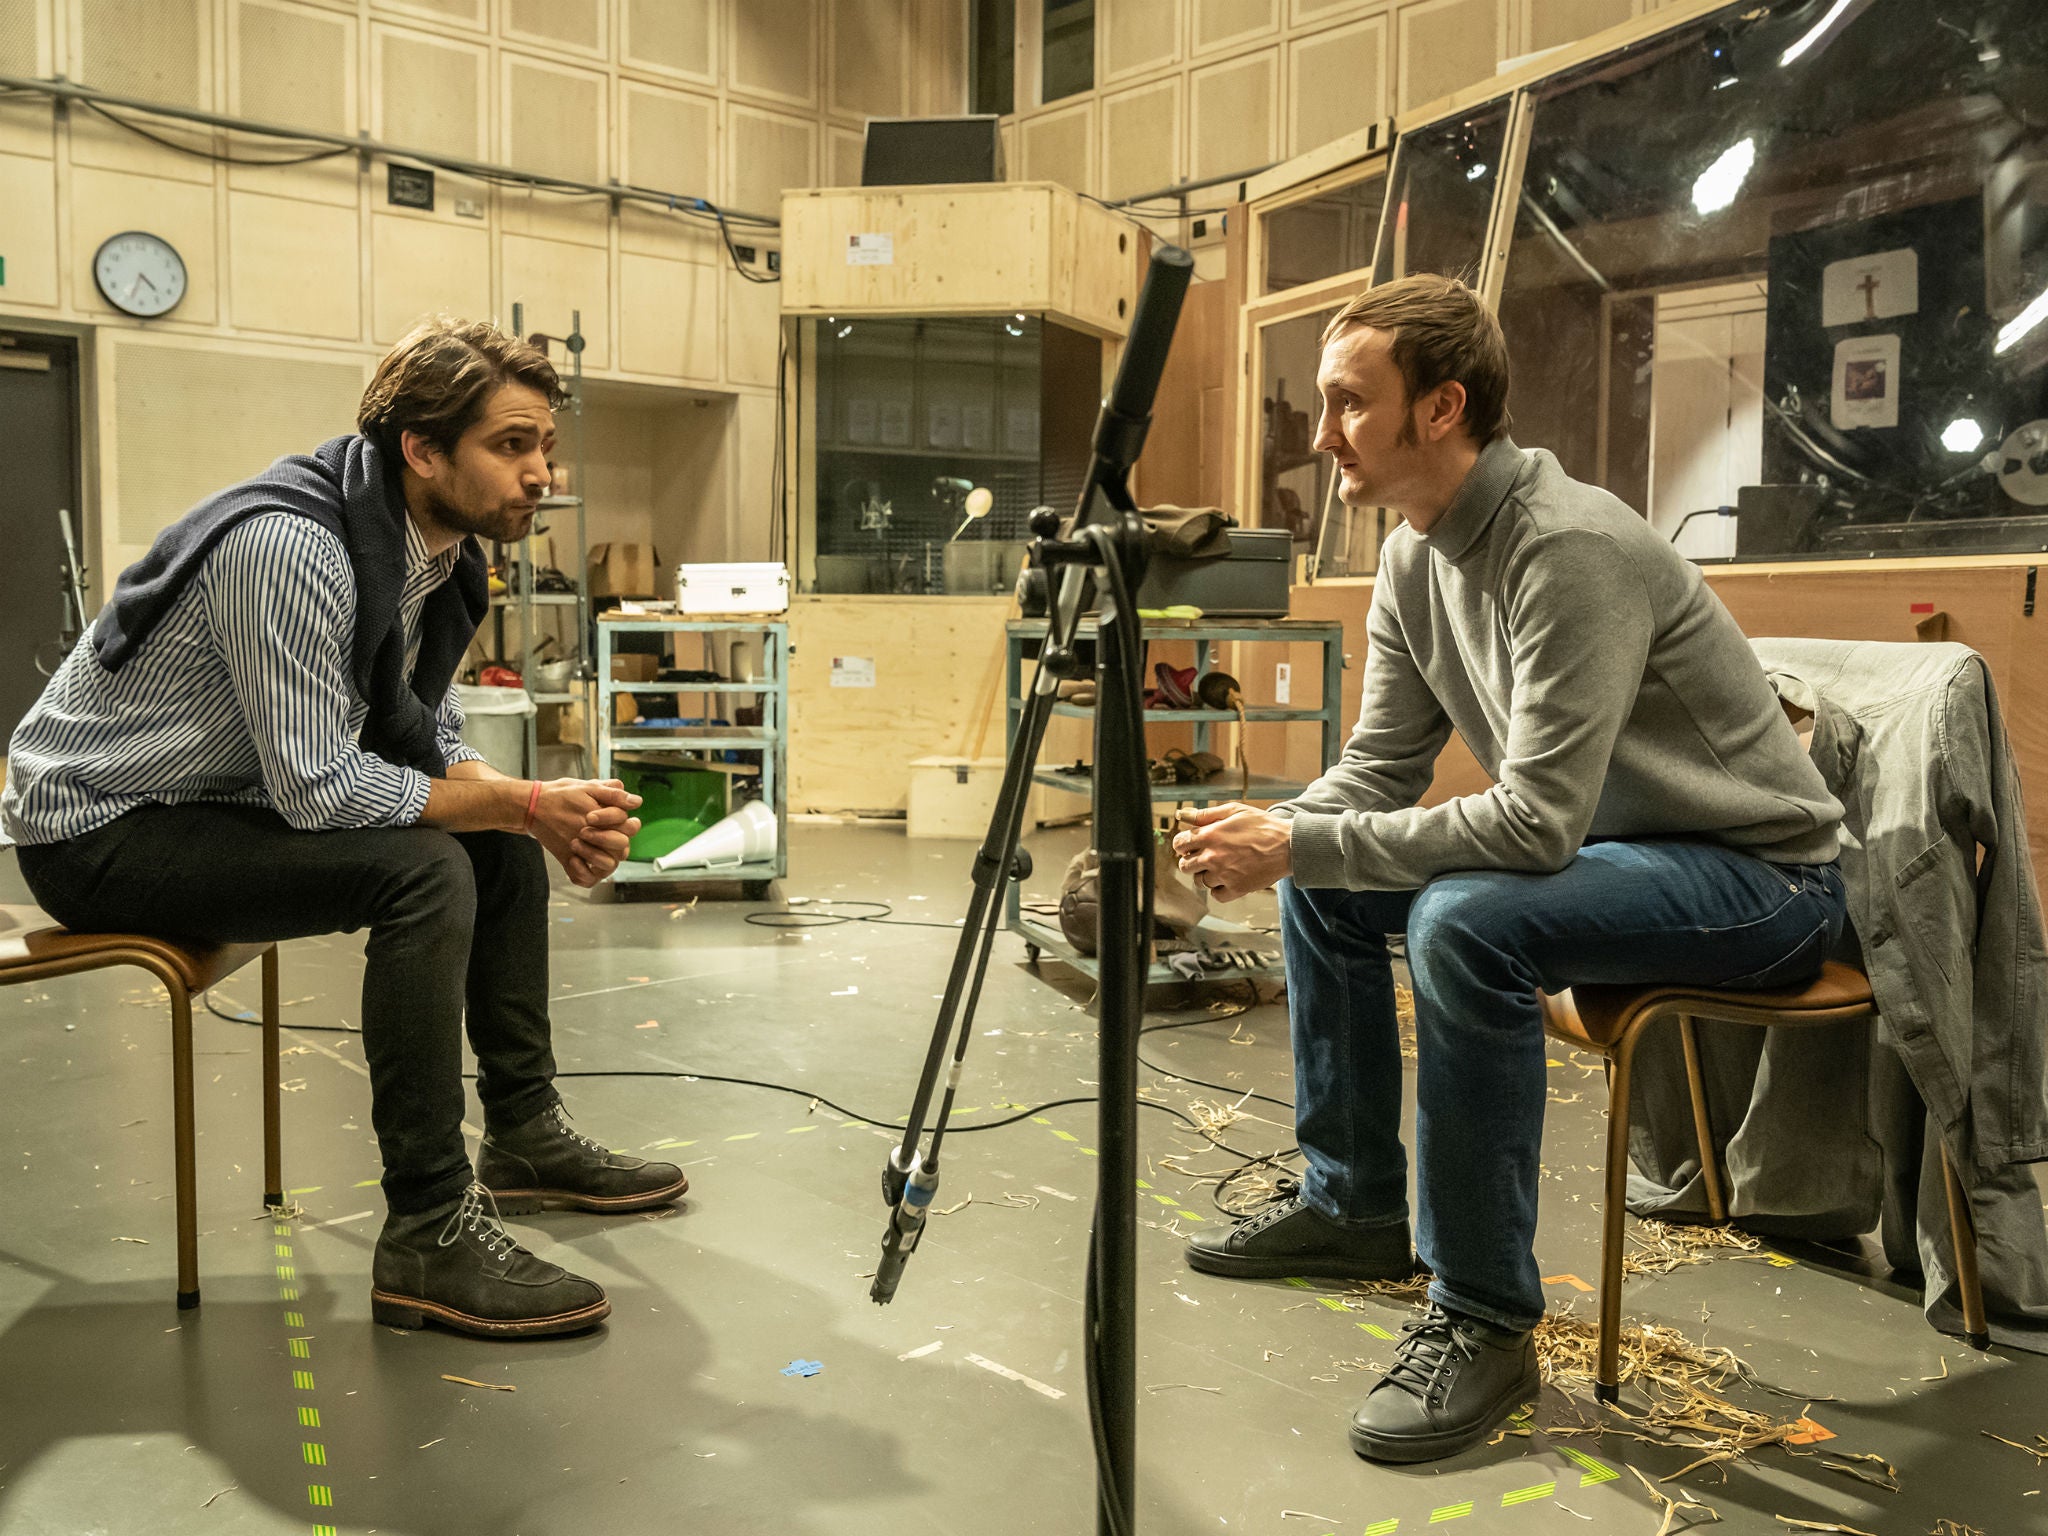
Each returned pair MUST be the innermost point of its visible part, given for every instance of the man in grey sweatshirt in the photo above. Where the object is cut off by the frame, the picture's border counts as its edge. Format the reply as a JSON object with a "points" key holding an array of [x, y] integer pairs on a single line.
{"points": [[1652, 818]]}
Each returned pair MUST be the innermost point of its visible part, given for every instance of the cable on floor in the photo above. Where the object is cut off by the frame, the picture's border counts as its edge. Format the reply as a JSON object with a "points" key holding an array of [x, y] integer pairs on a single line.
{"points": [[809, 916]]}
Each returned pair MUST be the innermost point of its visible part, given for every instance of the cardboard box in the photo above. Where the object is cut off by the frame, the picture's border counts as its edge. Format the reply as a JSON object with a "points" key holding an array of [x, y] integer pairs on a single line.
{"points": [[623, 570], [634, 667]]}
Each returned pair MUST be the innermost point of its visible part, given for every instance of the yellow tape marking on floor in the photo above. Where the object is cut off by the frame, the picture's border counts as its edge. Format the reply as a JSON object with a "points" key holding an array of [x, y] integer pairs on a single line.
{"points": [[744, 1136], [309, 1418], [315, 1454], [1376, 1331], [1064, 1135], [303, 1380], [301, 1350], [1086, 1151], [295, 1319], [1524, 1495], [1383, 1528], [284, 1250], [1450, 1512], [287, 1272], [1595, 1472], [288, 1293], [1164, 1199], [1189, 1216], [320, 1496], [1333, 1303], [365, 1183], [798, 1130]]}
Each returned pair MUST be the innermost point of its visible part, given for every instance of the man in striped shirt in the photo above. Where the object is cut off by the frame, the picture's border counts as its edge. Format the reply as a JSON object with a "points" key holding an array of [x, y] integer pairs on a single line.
{"points": [[258, 740]]}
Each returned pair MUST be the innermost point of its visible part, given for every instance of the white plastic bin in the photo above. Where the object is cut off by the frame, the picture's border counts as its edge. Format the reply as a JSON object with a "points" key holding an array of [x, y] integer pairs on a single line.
{"points": [[494, 722]]}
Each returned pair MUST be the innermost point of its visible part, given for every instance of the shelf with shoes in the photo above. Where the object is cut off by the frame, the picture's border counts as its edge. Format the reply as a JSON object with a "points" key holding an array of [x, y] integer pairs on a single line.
{"points": [[1226, 950]]}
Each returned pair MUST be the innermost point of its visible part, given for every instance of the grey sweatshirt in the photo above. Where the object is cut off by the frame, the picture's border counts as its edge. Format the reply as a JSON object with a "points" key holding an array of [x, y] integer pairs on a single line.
{"points": [[1591, 671]]}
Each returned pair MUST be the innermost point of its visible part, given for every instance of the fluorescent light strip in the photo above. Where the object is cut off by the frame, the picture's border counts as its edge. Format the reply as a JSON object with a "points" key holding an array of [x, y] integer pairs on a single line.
{"points": [[2021, 325], [1821, 29]]}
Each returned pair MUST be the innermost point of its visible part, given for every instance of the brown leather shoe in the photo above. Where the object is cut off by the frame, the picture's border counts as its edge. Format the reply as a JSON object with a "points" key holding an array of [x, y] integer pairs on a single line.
{"points": [[458, 1267], [546, 1163]]}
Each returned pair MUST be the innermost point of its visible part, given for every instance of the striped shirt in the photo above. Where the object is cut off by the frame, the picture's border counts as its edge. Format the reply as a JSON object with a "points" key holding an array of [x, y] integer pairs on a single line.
{"points": [[243, 694]]}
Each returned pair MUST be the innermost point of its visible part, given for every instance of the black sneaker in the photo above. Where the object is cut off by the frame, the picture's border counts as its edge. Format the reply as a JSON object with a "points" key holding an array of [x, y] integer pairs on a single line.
{"points": [[457, 1266], [1453, 1382], [545, 1163], [1292, 1238]]}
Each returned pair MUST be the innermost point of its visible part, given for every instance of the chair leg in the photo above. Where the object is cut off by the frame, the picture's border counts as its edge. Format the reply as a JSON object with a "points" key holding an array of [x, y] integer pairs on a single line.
{"points": [[1695, 1082], [1963, 1239], [1607, 1375], [273, 1159], [182, 1136]]}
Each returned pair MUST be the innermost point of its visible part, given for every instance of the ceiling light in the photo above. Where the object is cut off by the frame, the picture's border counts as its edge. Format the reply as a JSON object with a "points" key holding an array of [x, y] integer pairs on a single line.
{"points": [[1962, 435], [1476, 172], [1719, 182], [2021, 325]]}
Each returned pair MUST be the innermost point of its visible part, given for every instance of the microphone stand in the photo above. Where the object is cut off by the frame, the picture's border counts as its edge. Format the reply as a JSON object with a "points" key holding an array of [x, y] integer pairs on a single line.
{"points": [[1104, 551]]}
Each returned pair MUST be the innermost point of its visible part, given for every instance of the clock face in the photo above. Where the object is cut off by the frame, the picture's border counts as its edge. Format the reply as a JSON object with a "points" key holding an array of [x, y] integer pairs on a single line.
{"points": [[140, 274]]}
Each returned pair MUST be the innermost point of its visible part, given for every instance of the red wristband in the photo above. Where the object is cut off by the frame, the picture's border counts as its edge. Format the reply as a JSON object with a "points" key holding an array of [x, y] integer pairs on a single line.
{"points": [[532, 804]]}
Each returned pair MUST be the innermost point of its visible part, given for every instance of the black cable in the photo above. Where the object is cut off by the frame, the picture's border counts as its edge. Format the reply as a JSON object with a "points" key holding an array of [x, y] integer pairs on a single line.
{"points": [[807, 918], [725, 234], [219, 157]]}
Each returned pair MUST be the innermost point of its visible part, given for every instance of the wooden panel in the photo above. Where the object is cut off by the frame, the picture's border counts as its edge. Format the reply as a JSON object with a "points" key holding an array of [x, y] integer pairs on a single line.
{"points": [[1556, 22], [159, 50], [554, 119], [1141, 139], [292, 65], [1228, 23], [420, 266], [428, 93], [1060, 146], [753, 329], [1231, 119], [1337, 83], [670, 37], [552, 278], [869, 54], [578, 25], [28, 191], [844, 148], [938, 74], [1445, 45], [668, 139], [105, 203], [28, 127], [293, 267], [753, 459], [1138, 35], [775, 49], [651, 231], [851, 748], [1183, 459], [768, 153], [671, 317]]}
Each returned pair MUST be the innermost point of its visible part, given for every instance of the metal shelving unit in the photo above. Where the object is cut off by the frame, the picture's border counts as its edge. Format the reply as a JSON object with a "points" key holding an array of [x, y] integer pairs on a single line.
{"points": [[769, 740], [1024, 635]]}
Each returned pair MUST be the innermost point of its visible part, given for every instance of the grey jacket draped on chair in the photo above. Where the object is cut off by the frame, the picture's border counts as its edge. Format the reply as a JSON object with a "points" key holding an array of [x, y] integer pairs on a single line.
{"points": [[1832, 1132]]}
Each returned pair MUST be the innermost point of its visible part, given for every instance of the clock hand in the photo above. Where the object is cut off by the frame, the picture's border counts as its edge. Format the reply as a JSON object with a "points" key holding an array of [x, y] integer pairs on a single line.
{"points": [[143, 277]]}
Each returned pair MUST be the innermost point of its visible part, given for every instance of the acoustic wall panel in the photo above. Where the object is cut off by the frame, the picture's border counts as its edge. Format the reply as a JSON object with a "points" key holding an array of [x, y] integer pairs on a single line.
{"points": [[105, 203], [1060, 146], [844, 149], [775, 49], [1137, 35], [293, 266], [423, 266], [1307, 12], [554, 119], [1555, 22], [472, 14], [291, 64], [869, 52], [670, 314], [1232, 23], [555, 280], [167, 455], [670, 37], [28, 191], [159, 50], [578, 25], [1141, 139], [668, 140], [1231, 123], [753, 329], [1337, 83], [428, 93], [1446, 45], [767, 152], [24, 37]]}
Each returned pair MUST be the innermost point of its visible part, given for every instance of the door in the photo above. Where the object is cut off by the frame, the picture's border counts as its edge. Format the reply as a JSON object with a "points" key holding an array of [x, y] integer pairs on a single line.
{"points": [[39, 427]]}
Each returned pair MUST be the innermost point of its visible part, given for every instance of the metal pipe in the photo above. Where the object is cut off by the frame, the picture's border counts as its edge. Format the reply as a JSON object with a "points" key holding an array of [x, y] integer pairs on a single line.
{"points": [[60, 89], [1183, 188]]}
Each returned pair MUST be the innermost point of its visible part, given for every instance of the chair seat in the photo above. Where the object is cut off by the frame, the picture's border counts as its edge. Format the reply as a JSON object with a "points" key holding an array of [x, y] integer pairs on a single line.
{"points": [[30, 938], [1595, 1017]]}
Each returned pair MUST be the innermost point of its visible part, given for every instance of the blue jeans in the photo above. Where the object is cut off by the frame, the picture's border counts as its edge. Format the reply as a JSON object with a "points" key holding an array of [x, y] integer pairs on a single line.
{"points": [[1480, 945]]}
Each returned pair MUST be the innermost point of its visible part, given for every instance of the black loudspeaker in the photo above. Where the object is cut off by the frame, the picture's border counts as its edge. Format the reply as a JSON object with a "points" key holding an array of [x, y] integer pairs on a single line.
{"points": [[1775, 519], [912, 151]]}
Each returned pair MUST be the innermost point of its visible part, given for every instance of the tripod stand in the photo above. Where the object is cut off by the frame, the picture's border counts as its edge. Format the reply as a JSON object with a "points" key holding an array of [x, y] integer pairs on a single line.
{"points": [[1107, 554]]}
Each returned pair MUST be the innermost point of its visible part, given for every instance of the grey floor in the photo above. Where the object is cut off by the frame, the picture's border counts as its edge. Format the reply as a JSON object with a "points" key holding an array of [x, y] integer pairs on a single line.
{"points": [[279, 1406]]}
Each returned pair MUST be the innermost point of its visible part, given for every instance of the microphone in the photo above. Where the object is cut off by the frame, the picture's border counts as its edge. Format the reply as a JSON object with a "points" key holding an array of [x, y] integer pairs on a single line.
{"points": [[906, 1228]]}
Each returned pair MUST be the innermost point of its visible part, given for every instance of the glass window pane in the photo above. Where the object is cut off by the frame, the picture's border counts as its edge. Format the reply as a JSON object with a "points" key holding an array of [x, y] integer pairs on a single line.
{"points": [[1792, 265], [1443, 182], [1325, 235], [1068, 62], [992, 49]]}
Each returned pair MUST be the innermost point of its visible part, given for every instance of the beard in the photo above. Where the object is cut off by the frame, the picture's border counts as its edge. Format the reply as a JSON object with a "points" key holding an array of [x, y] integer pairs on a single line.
{"points": [[503, 522]]}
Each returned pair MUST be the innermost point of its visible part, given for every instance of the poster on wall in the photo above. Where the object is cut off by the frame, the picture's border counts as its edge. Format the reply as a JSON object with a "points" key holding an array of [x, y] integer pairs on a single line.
{"points": [[1866, 390], [1881, 286]]}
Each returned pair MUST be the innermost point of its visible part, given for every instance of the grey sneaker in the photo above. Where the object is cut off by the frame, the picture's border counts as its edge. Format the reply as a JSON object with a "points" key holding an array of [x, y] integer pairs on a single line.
{"points": [[1453, 1382], [544, 1162], [457, 1266], [1290, 1238]]}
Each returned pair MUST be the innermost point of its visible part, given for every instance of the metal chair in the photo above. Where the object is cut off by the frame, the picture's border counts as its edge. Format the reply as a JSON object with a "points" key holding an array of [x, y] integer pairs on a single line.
{"points": [[1609, 1020], [34, 948]]}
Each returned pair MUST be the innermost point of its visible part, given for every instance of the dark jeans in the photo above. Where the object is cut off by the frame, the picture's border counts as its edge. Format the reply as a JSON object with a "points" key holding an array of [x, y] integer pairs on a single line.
{"points": [[1480, 945], [455, 919]]}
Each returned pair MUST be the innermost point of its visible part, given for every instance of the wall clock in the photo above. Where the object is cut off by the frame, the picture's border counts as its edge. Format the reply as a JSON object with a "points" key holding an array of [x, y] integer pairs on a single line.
{"points": [[139, 274]]}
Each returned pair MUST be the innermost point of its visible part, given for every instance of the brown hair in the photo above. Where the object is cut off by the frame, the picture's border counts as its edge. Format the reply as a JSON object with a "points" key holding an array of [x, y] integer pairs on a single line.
{"points": [[1442, 332], [437, 379]]}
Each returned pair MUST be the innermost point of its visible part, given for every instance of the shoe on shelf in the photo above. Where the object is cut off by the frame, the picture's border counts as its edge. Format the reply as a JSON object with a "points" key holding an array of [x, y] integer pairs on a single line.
{"points": [[457, 1266], [1290, 1237], [1453, 1382], [546, 1163]]}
